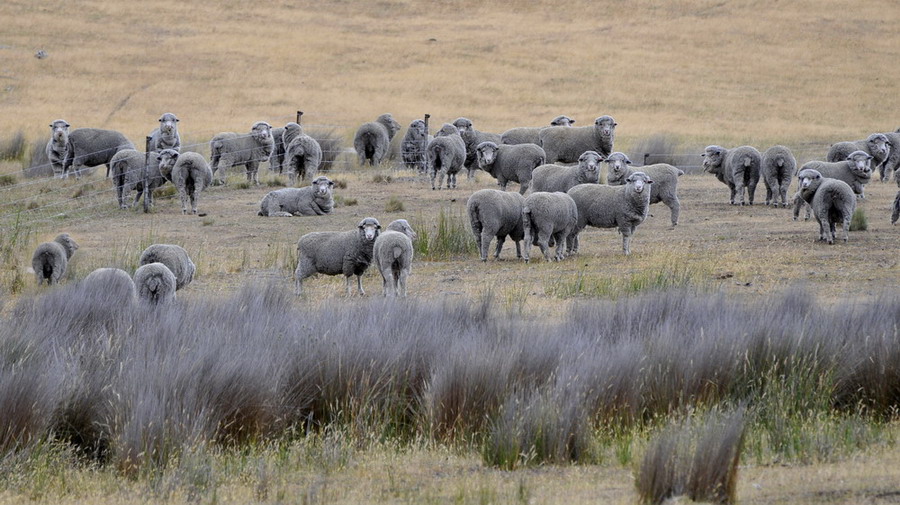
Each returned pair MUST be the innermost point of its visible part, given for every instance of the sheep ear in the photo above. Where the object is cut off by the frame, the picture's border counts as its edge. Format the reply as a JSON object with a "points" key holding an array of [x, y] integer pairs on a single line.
{"points": [[649, 181], [628, 162]]}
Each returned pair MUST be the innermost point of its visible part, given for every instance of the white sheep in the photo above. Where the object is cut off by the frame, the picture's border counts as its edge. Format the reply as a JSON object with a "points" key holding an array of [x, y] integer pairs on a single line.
{"points": [[189, 172], [622, 207], [393, 254], [175, 258], [50, 259], [565, 177], [566, 144], [337, 252], [510, 162], [155, 284], [495, 213], [229, 149], [314, 200], [549, 218]]}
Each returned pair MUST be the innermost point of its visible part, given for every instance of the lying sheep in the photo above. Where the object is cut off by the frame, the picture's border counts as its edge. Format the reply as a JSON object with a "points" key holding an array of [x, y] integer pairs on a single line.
{"points": [[549, 218], [57, 146], [393, 254], [112, 284], [412, 148], [155, 284], [127, 169], [510, 163], [91, 147], [736, 168], [565, 145], [665, 181], [495, 213], [229, 149], [855, 170], [175, 258], [50, 259], [832, 202], [472, 139], [166, 136], [876, 145], [551, 178], [337, 252], [317, 199], [529, 135], [302, 153], [373, 140], [778, 167], [622, 207], [189, 172], [445, 155]]}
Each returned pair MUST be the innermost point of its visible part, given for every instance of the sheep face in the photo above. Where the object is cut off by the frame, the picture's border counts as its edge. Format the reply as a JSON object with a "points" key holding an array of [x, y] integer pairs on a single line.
{"points": [[618, 164], [261, 130], [879, 145], [487, 154], [713, 157], [605, 125], [369, 229], [168, 123], [589, 161], [324, 186], [417, 129], [808, 177], [67, 242], [463, 125], [562, 121], [860, 164], [402, 225], [167, 159], [638, 181], [59, 131]]}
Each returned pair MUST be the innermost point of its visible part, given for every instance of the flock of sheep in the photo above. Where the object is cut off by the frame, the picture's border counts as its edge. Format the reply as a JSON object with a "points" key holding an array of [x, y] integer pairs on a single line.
{"points": [[559, 163]]}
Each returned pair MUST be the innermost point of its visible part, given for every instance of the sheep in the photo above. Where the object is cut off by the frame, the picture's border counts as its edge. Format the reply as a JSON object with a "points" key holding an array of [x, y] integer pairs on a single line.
{"points": [[50, 259], [412, 148], [566, 144], [445, 155], [548, 218], [892, 162], [832, 201], [113, 284], [896, 214], [175, 258], [90, 147], [128, 174], [472, 139], [57, 146], [373, 140], [229, 149], [529, 135], [189, 172], [622, 207], [876, 145], [155, 284], [337, 252], [665, 181], [393, 254], [552, 177], [736, 168], [778, 167], [276, 159], [495, 213], [314, 200], [855, 170], [166, 136], [302, 153], [510, 162]]}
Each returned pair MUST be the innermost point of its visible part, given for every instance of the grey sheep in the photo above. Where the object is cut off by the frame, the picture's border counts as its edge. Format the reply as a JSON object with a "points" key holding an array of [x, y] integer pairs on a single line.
{"points": [[896, 214], [317, 199], [229, 149], [175, 258], [778, 168], [337, 252], [373, 140], [549, 218], [393, 254], [155, 284], [412, 147], [189, 172], [472, 139], [495, 213], [665, 181], [832, 202], [532, 135], [276, 159], [565, 177], [855, 170], [736, 168], [622, 207], [91, 147], [510, 163], [50, 259], [128, 174], [57, 146], [892, 163], [113, 284], [445, 156], [876, 145], [302, 153], [166, 135], [565, 145]]}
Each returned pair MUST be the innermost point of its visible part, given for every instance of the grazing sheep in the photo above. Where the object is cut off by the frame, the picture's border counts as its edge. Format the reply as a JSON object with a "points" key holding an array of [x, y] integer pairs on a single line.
{"points": [[50, 259], [302, 153], [166, 136], [622, 207], [127, 168], [530, 135], [337, 252], [510, 163], [373, 140], [175, 258], [155, 284], [778, 167], [832, 202], [90, 147], [549, 218], [317, 199], [876, 145], [565, 145], [276, 159], [445, 155], [665, 181], [113, 284], [472, 139], [229, 149], [495, 213], [551, 178], [393, 254], [412, 148], [57, 146], [855, 170], [189, 172], [736, 168]]}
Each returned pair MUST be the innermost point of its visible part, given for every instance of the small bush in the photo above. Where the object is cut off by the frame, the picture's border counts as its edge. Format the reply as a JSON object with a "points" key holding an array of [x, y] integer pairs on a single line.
{"points": [[276, 182], [332, 145], [340, 201], [167, 191], [859, 222], [382, 179], [7, 180], [83, 190], [394, 204], [339, 183], [33, 205], [13, 147], [242, 185], [207, 221]]}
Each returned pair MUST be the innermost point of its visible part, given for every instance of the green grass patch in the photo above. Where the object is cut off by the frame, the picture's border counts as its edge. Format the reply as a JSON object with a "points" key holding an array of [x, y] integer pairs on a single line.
{"points": [[394, 204], [859, 221], [444, 237], [7, 180], [382, 179], [588, 284]]}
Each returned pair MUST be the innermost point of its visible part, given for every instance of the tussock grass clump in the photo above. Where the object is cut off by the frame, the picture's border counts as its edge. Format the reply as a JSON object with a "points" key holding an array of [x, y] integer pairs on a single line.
{"points": [[12, 147], [448, 236], [7, 180], [382, 179], [859, 221], [276, 182], [167, 191], [339, 183], [83, 190], [394, 204]]}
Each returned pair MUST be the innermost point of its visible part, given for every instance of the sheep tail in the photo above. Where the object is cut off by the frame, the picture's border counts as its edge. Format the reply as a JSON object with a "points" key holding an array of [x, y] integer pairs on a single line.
{"points": [[398, 251]]}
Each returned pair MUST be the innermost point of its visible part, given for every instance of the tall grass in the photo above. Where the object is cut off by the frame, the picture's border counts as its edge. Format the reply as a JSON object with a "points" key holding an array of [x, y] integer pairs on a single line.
{"points": [[448, 236], [12, 147], [38, 164]]}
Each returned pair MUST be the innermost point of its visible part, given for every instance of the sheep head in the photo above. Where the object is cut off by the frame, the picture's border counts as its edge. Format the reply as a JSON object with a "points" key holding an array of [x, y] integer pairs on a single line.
{"points": [[562, 121], [168, 123], [638, 182], [879, 145], [618, 165], [809, 179], [324, 185], [486, 153], [860, 164], [261, 131], [713, 157], [369, 229], [402, 226], [59, 130], [606, 126]]}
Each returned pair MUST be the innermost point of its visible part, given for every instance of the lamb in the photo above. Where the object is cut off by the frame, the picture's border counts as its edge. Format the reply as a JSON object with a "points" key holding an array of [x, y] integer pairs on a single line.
{"points": [[128, 174], [229, 149], [855, 170], [373, 140], [778, 167], [166, 136], [57, 146], [317, 199], [50, 259], [495, 213], [189, 172], [564, 177], [302, 153], [412, 148], [393, 254], [155, 284], [622, 207], [336, 252], [529, 135], [90, 147], [445, 155], [548, 218], [876, 145], [175, 258], [665, 181], [510, 162], [736, 168], [113, 284], [472, 139], [832, 202], [565, 145]]}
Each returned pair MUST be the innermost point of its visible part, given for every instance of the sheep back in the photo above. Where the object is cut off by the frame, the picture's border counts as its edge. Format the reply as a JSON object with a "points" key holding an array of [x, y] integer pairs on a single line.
{"points": [[112, 284], [175, 258], [567, 144], [91, 147], [317, 199], [495, 213], [549, 217], [51, 259], [373, 139], [510, 162], [778, 167], [155, 284]]}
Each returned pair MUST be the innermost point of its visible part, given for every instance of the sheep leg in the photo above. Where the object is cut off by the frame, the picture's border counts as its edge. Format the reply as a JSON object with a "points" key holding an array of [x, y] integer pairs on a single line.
{"points": [[440, 180], [305, 268], [500, 241], [751, 191], [518, 248], [529, 240], [768, 194], [733, 193], [846, 227], [544, 236], [384, 285], [675, 207], [627, 232], [253, 172], [404, 275], [483, 238], [896, 214], [182, 193], [452, 179], [362, 292], [560, 239]]}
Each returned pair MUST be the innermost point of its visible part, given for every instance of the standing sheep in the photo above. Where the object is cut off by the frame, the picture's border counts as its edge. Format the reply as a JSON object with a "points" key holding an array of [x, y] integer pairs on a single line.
{"points": [[622, 207], [393, 254], [90, 147], [530, 135], [128, 174], [276, 159], [317, 199], [472, 139], [567, 144], [445, 155], [166, 136], [551, 178], [495, 213], [510, 163], [373, 140], [228, 149], [50, 259], [113, 284], [855, 170], [548, 218], [57, 146], [892, 163], [736, 168], [155, 284], [832, 202], [665, 181], [412, 148], [337, 252], [778, 168], [896, 213], [302, 153], [189, 172], [876, 145], [175, 258]]}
